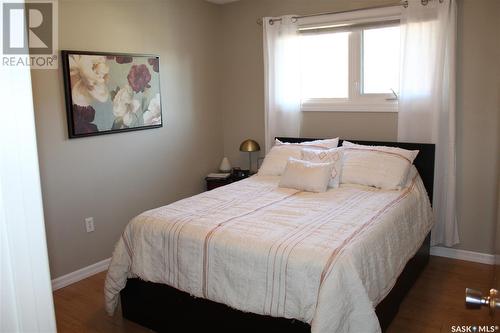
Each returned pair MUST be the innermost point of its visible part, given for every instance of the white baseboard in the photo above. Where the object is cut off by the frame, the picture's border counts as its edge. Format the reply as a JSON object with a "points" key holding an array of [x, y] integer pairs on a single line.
{"points": [[80, 274], [483, 258]]}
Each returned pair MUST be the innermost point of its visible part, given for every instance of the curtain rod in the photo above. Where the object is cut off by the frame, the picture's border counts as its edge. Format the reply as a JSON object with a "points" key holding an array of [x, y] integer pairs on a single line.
{"points": [[402, 3]]}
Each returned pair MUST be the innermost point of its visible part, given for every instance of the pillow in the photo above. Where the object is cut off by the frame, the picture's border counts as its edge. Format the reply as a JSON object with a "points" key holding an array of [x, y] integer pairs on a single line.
{"points": [[411, 175], [318, 144], [379, 166], [408, 154], [275, 161], [333, 156], [306, 176]]}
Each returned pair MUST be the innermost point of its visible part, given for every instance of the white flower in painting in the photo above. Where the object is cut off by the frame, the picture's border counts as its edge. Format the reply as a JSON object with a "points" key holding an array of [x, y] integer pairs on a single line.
{"points": [[89, 76], [153, 115], [125, 106]]}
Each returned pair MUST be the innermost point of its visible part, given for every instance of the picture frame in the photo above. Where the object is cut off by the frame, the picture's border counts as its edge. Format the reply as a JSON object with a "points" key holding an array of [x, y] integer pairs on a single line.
{"points": [[110, 93]]}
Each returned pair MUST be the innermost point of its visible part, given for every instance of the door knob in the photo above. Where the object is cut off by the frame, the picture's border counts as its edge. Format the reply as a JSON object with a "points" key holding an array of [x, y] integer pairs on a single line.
{"points": [[475, 300]]}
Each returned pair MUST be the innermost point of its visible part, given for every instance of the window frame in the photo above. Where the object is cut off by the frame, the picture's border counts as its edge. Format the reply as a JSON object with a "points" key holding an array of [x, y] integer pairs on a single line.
{"points": [[354, 22]]}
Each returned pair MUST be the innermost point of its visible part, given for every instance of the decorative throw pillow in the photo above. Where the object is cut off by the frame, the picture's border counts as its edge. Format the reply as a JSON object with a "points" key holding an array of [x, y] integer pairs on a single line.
{"points": [[378, 166], [275, 161], [306, 176], [333, 156], [316, 144]]}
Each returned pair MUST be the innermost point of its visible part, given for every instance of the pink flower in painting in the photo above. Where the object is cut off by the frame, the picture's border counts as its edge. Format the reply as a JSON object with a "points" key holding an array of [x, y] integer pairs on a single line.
{"points": [[83, 116], [155, 62], [139, 77], [123, 59]]}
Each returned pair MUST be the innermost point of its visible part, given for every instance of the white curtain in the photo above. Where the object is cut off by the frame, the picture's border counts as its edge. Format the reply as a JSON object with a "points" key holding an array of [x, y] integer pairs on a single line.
{"points": [[282, 78], [427, 101]]}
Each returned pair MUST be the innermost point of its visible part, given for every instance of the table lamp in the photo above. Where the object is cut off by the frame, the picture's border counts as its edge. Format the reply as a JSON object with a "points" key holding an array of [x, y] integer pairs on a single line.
{"points": [[249, 146]]}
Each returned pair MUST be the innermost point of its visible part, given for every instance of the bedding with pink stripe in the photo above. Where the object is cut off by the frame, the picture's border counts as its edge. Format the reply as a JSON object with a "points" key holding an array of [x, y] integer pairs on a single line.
{"points": [[323, 258]]}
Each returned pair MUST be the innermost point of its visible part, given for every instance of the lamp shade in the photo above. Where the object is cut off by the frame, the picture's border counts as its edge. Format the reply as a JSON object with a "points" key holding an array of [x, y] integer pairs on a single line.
{"points": [[225, 166], [249, 145]]}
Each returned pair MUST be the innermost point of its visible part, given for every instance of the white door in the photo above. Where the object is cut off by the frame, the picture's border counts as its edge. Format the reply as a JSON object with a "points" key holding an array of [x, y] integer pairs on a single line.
{"points": [[25, 290]]}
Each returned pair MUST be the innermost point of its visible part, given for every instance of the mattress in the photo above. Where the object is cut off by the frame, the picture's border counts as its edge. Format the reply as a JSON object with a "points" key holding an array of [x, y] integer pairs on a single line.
{"points": [[323, 258]]}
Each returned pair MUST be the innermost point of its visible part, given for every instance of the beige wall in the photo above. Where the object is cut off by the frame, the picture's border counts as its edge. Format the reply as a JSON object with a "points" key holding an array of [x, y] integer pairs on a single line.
{"points": [[350, 125], [114, 177], [477, 112]]}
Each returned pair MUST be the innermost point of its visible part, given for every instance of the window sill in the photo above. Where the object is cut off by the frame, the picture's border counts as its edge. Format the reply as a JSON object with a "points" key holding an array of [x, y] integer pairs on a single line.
{"points": [[351, 107]]}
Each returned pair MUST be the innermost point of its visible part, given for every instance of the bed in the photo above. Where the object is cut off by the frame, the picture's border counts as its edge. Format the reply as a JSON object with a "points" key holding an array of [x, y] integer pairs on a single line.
{"points": [[254, 257]]}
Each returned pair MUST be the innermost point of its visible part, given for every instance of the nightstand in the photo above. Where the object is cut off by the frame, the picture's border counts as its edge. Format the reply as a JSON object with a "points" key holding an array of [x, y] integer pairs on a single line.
{"points": [[218, 182]]}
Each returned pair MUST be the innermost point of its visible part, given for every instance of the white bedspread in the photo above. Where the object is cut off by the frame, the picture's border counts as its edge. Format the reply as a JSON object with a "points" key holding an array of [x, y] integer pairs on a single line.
{"points": [[326, 259]]}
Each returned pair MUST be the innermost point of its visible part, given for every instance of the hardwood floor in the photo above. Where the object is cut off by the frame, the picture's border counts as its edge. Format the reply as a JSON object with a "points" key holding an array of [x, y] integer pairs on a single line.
{"points": [[80, 308], [435, 303]]}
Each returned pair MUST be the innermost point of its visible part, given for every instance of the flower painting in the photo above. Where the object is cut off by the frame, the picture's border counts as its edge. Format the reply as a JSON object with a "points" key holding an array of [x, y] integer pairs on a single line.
{"points": [[107, 93]]}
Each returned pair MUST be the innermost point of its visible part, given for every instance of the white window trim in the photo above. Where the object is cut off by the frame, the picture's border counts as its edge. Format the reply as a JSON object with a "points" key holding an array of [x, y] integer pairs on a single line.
{"points": [[339, 105], [358, 102]]}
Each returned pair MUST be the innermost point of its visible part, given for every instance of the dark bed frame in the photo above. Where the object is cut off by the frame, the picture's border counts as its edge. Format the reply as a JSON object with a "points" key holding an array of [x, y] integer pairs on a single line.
{"points": [[166, 309]]}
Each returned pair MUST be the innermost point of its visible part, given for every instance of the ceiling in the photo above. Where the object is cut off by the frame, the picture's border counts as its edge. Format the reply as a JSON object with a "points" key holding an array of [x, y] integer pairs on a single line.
{"points": [[221, 2]]}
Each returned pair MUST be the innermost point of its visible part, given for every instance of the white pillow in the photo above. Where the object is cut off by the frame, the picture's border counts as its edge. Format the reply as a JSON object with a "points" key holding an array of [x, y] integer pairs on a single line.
{"points": [[411, 175], [333, 156], [275, 161], [379, 166], [318, 144], [306, 176]]}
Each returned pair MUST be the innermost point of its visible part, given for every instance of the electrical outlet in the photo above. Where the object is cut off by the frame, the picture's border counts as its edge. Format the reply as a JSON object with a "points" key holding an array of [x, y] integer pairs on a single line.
{"points": [[89, 224]]}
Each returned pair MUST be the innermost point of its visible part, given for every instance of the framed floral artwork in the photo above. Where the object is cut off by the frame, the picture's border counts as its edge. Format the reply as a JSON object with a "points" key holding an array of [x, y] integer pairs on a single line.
{"points": [[110, 92]]}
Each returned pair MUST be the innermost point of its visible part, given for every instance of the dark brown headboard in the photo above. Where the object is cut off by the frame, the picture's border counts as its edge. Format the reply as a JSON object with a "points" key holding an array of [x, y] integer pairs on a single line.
{"points": [[424, 161]]}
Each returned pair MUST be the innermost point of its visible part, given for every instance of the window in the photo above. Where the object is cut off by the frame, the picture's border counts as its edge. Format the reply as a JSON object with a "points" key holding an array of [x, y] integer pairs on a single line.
{"points": [[325, 73], [350, 65], [380, 60]]}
